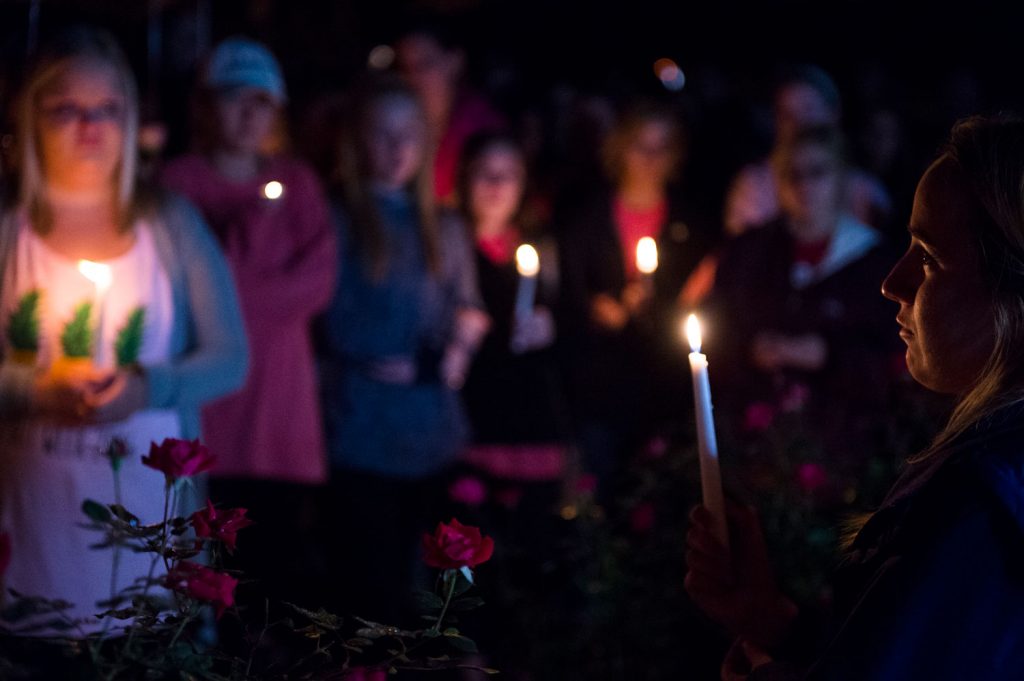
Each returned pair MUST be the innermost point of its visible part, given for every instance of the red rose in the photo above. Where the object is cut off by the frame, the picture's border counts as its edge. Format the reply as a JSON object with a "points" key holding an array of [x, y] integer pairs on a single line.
{"points": [[643, 518], [586, 483], [758, 417], [5, 552], [203, 584], [468, 490], [179, 458], [456, 545], [222, 525], [810, 476]]}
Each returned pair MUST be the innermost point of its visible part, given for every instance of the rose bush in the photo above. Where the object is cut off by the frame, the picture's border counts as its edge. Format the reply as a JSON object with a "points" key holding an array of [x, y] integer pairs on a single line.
{"points": [[454, 546], [222, 524], [179, 458], [203, 584]]}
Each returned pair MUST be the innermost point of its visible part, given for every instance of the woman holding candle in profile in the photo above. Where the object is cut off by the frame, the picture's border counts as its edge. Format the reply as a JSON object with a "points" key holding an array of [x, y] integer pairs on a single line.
{"points": [[171, 335], [271, 218], [398, 339], [931, 586], [621, 325]]}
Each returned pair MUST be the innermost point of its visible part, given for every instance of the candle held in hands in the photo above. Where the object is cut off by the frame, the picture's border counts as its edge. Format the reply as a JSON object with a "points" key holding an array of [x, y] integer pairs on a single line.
{"points": [[101, 277], [528, 266], [707, 444]]}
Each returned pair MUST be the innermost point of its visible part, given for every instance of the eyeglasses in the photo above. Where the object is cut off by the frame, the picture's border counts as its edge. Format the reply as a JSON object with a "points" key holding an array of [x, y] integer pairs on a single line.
{"points": [[67, 113]]}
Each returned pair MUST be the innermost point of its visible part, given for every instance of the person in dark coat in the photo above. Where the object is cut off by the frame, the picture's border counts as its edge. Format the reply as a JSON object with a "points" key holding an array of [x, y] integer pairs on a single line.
{"points": [[620, 324], [933, 583], [788, 309]]}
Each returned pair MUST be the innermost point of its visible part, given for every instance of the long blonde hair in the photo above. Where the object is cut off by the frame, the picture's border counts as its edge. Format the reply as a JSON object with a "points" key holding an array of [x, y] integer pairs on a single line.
{"points": [[75, 46], [353, 173]]}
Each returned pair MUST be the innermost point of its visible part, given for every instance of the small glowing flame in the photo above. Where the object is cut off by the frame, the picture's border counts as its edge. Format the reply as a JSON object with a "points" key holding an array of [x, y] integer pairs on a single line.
{"points": [[693, 332], [273, 190], [96, 272], [527, 261], [646, 255]]}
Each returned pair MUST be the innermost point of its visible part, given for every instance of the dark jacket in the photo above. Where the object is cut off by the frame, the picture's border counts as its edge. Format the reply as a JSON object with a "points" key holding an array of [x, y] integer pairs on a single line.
{"points": [[934, 587], [614, 373], [513, 398], [759, 289]]}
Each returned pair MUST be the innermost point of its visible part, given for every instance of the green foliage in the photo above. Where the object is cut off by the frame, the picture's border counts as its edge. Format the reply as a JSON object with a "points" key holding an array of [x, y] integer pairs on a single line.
{"points": [[129, 339], [23, 326], [76, 339], [147, 636]]}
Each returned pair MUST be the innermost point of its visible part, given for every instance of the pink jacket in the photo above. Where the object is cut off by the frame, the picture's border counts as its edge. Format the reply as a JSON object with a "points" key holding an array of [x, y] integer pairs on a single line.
{"points": [[282, 253]]}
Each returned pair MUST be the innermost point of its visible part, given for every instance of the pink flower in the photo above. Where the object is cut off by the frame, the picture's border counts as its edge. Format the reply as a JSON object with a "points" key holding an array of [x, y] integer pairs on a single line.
{"points": [[5, 552], [758, 417], [203, 584], [656, 447], [468, 490], [222, 525], [179, 458], [456, 545], [795, 398], [810, 476], [586, 483], [642, 518]]}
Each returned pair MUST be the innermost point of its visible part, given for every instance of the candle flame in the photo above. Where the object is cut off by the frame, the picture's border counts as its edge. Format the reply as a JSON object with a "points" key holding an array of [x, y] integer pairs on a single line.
{"points": [[527, 261], [98, 273], [273, 190], [693, 333], [646, 255]]}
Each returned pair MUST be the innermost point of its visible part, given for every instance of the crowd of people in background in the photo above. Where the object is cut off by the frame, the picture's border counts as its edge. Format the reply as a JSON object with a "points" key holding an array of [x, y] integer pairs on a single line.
{"points": [[368, 293]]}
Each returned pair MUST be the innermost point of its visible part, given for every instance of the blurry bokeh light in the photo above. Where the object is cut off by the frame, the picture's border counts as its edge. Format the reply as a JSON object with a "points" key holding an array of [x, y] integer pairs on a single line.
{"points": [[670, 75], [381, 57]]}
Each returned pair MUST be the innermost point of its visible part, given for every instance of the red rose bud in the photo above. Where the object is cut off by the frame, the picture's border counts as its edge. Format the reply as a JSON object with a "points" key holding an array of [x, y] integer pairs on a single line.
{"points": [[203, 584], [179, 458], [468, 490], [456, 546], [5, 552], [117, 450], [643, 518], [758, 417], [810, 476], [222, 525]]}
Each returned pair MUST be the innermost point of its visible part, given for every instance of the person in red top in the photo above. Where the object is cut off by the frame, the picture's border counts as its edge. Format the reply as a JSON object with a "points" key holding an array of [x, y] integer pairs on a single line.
{"points": [[271, 217], [433, 64], [622, 330]]}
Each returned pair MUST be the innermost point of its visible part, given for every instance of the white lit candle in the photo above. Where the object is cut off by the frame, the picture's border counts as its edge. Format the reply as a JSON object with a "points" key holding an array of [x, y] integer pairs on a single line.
{"points": [[101, 277], [528, 266], [647, 256], [707, 444]]}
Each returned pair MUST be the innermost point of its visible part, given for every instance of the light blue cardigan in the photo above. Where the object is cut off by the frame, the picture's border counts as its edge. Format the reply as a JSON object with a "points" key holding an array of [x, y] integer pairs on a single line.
{"points": [[208, 342]]}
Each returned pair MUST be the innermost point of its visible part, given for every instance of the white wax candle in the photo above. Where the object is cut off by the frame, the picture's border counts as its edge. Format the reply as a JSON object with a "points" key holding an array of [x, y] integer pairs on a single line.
{"points": [[647, 256], [528, 266], [707, 444], [101, 277]]}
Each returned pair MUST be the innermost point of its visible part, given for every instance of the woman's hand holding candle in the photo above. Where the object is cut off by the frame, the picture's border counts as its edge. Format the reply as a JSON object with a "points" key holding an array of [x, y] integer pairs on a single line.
{"points": [[117, 396], [735, 586], [533, 332]]}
